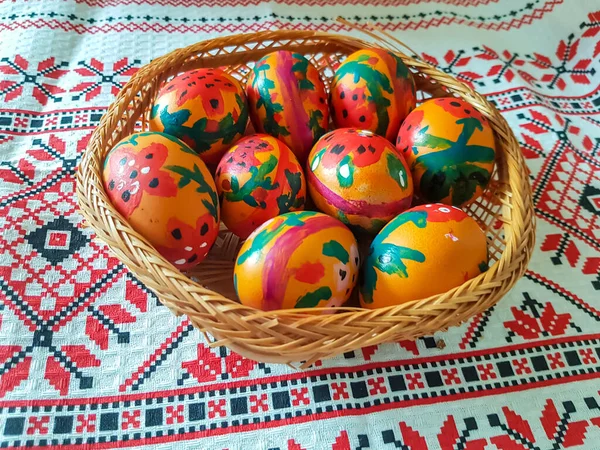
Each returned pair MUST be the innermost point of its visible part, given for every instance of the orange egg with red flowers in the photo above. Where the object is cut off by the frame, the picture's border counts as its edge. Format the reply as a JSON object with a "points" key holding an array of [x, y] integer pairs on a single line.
{"points": [[424, 251], [257, 179], [205, 108], [372, 90], [165, 192], [450, 149], [359, 178]]}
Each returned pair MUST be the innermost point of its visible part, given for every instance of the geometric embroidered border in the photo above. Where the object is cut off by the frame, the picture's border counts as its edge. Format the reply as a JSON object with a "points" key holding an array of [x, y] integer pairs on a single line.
{"points": [[27, 122], [318, 394]]}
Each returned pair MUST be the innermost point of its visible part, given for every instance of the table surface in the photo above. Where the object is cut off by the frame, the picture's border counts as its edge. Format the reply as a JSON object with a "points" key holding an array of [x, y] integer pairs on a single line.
{"points": [[88, 355]]}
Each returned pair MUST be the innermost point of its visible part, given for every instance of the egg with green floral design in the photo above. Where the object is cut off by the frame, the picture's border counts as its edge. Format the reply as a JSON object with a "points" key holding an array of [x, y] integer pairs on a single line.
{"points": [[205, 108], [301, 259], [450, 149], [166, 193], [372, 90], [257, 179], [359, 178], [287, 100], [424, 251]]}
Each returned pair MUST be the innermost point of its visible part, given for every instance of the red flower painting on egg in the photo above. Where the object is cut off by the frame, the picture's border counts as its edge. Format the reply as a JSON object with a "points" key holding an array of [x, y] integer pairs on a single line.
{"points": [[205, 108], [191, 85], [197, 241], [139, 172], [365, 154], [459, 108], [359, 177]]}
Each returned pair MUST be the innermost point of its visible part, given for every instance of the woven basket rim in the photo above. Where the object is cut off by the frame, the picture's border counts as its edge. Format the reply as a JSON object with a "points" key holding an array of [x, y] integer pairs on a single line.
{"points": [[140, 257]]}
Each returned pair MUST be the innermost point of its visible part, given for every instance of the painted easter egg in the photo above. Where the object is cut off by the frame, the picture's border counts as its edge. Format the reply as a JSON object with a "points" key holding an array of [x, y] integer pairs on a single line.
{"points": [[301, 259], [372, 90], [166, 193], [205, 108], [449, 147], [287, 100], [257, 179], [358, 177], [426, 250]]}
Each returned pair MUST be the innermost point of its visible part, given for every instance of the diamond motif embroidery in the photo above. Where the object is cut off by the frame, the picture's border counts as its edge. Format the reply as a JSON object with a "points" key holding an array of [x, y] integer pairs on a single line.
{"points": [[571, 195], [56, 240], [590, 199]]}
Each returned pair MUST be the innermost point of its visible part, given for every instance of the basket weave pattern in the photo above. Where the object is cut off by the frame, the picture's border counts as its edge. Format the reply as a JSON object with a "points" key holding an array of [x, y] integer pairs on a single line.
{"points": [[505, 213]]}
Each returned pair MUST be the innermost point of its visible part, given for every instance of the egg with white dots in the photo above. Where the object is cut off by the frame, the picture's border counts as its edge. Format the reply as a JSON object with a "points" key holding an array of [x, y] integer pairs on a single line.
{"points": [[424, 251], [166, 193]]}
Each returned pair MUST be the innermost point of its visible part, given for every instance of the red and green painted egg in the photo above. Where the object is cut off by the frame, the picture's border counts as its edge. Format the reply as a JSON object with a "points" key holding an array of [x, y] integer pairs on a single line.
{"points": [[450, 149], [358, 177], [166, 193], [301, 259], [205, 108], [257, 179], [287, 100], [372, 90], [426, 250]]}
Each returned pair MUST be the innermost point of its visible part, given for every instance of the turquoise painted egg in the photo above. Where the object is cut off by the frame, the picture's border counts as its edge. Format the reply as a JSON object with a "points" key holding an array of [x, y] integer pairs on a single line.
{"points": [[450, 149]]}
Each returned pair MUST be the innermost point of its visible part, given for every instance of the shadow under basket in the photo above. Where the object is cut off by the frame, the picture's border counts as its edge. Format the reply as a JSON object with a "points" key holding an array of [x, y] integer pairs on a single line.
{"points": [[206, 296]]}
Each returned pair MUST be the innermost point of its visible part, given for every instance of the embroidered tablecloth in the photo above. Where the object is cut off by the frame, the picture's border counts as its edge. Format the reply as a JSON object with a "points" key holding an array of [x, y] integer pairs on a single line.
{"points": [[89, 357]]}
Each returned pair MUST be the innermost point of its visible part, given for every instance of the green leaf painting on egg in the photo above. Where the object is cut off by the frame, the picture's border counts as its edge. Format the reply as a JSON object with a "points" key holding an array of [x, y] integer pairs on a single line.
{"points": [[313, 299], [376, 82], [345, 171], [316, 161], [388, 257], [227, 128], [451, 171], [300, 67], [297, 219], [187, 176], [258, 179], [263, 86], [402, 72], [258, 243], [397, 170], [291, 200], [315, 117], [401, 69], [336, 250]]}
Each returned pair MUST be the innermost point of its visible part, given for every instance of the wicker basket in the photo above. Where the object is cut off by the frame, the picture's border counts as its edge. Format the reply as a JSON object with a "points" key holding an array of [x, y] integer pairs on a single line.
{"points": [[505, 212]]}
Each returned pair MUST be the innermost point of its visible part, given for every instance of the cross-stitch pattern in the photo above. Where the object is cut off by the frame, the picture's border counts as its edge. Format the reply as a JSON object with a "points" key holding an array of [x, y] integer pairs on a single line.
{"points": [[88, 356]]}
